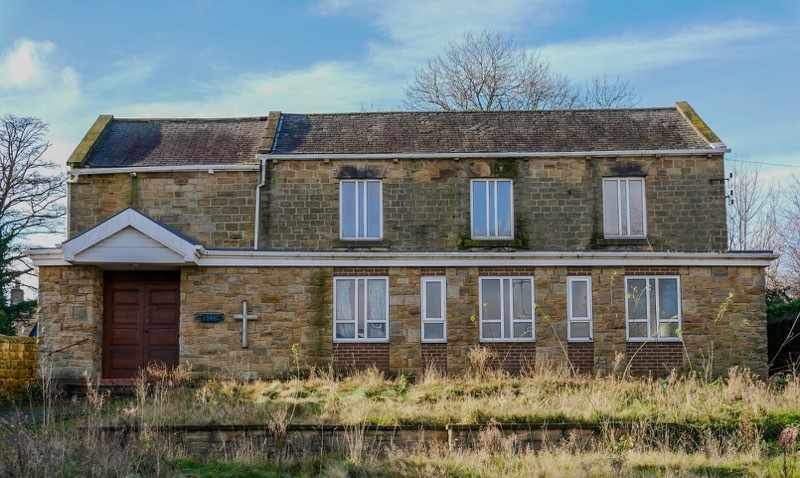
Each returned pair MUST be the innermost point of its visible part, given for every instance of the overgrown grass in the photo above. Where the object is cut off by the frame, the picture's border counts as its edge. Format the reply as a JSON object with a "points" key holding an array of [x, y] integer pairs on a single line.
{"points": [[539, 396], [679, 426]]}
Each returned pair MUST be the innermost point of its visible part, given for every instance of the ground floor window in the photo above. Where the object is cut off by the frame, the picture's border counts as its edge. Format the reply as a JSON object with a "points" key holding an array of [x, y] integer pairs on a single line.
{"points": [[579, 309], [653, 307], [434, 311], [361, 308], [506, 311]]}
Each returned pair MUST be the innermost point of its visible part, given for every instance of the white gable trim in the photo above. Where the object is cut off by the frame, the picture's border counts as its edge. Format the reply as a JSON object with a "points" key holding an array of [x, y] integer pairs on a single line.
{"points": [[130, 218]]}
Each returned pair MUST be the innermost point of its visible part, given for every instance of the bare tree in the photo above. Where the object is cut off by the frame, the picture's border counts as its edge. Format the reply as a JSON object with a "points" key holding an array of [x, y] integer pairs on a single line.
{"points": [[30, 203], [790, 236], [764, 216], [768, 237], [488, 71], [602, 92], [744, 213]]}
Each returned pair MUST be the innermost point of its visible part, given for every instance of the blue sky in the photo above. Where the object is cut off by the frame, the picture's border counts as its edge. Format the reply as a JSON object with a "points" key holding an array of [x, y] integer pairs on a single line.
{"points": [[736, 62]]}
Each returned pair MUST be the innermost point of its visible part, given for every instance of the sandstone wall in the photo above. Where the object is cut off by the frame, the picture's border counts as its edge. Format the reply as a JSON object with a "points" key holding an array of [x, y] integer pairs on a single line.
{"points": [[17, 364], [426, 203], [557, 203], [723, 312], [724, 320], [71, 320], [293, 306], [217, 210]]}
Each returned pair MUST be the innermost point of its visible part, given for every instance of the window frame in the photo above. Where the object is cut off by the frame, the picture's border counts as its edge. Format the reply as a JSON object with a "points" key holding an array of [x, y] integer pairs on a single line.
{"points": [[482, 320], [619, 207], [649, 308], [361, 224], [570, 317], [423, 308], [337, 321], [472, 214]]}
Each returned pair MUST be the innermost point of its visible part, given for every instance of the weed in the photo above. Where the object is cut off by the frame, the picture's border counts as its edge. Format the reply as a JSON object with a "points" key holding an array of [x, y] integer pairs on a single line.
{"points": [[787, 442], [683, 425]]}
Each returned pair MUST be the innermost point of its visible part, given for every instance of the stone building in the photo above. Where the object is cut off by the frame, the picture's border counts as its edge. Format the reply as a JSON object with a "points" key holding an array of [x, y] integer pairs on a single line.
{"points": [[592, 238]]}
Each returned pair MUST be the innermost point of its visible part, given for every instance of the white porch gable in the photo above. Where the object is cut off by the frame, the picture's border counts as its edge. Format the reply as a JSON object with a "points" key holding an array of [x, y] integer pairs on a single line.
{"points": [[130, 237]]}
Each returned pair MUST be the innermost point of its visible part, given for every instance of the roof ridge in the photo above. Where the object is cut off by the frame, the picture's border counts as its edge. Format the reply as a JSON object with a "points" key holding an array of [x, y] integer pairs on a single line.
{"points": [[239, 119], [491, 112]]}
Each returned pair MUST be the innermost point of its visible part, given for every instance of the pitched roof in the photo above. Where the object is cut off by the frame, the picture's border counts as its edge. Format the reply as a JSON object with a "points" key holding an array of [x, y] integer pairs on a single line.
{"points": [[112, 142], [174, 142], [488, 132]]}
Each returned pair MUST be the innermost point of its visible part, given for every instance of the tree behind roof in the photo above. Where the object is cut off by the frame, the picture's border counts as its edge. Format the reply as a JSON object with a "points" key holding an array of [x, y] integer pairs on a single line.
{"points": [[487, 71]]}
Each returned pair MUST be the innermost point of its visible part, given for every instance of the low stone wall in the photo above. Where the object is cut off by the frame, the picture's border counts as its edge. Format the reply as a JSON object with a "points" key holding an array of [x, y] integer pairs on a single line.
{"points": [[310, 440], [17, 364]]}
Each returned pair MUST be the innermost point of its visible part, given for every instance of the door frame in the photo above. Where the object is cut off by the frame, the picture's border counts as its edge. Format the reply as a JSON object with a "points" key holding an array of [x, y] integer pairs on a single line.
{"points": [[145, 277]]}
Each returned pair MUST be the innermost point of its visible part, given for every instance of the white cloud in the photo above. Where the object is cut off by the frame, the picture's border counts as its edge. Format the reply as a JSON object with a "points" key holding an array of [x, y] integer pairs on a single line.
{"points": [[639, 51], [33, 81], [23, 65], [418, 29], [324, 87], [127, 73]]}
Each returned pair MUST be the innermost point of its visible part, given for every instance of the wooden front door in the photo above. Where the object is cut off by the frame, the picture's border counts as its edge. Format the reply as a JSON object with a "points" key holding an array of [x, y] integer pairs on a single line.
{"points": [[140, 322]]}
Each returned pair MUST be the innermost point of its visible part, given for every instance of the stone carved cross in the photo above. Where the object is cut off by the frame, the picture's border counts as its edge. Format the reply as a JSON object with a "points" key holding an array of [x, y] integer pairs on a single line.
{"points": [[244, 317]]}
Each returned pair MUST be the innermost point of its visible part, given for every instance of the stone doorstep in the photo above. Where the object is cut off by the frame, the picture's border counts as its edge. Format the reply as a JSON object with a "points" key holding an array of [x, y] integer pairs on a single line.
{"points": [[115, 386]]}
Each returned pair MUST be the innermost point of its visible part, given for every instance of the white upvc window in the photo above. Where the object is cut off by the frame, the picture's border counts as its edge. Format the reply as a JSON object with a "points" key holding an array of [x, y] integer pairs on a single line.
{"points": [[361, 209], [506, 312], [492, 207], [434, 311], [579, 309], [360, 309], [624, 208], [653, 308]]}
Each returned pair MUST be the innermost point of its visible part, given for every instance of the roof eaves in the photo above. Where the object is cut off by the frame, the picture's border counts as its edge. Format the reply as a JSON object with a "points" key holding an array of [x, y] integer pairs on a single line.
{"points": [[496, 154], [89, 141]]}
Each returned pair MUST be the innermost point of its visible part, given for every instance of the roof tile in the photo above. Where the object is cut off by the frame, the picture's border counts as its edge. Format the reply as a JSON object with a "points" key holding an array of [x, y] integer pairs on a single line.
{"points": [[487, 132], [133, 142], [171, 142]]}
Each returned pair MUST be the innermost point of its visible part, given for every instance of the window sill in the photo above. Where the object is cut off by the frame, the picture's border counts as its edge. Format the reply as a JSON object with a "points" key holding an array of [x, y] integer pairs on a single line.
{"points": [[623, 241], [433, 341], [363, 243], [580, 341], [361, 341], [664, 339], [491, 243], [506, 341]]}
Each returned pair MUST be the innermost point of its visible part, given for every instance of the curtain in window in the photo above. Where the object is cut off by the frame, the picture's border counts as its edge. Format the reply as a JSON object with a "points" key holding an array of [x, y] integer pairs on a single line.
{"points": [[376, 308], [345, 301], [376, 303]]}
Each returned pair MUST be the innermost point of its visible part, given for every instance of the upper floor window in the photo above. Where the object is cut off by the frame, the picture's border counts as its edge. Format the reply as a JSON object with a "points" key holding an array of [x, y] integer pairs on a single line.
{"points": [[624, 207], [506, 311], [492, 209], [361, 309], [433, 309], [579, 309], [360, 209], [653, 308]]}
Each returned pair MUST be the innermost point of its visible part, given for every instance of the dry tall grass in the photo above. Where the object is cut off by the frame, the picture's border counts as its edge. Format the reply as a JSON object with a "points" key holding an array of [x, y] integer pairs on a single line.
{"points": [[680, 426], [541, 395]]}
